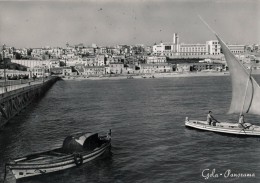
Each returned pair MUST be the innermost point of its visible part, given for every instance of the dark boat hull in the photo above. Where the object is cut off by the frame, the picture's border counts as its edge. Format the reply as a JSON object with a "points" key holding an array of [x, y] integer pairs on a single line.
{"points": [[28, 169]]}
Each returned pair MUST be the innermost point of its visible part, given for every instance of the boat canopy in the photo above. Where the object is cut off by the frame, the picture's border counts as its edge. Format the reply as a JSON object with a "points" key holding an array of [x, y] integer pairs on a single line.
{"points": [[80, 142]]}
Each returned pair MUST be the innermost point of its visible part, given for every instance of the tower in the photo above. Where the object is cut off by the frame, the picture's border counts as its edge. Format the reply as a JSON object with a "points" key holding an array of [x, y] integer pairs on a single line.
{"points": [[175, 38]]}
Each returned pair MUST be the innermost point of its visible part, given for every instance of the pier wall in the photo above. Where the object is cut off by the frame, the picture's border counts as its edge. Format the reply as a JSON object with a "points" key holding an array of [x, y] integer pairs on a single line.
{"points": [[13, 101]]}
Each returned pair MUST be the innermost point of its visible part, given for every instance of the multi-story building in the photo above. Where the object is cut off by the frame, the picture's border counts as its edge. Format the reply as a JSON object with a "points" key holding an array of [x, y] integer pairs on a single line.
{"points": [[32, 63], [66, 71], [156, 68], [89, 60], [54, 63], [237, 49], [100, 60], [94, 70], [155, 59], [213, 47], [116, 68], [192, 49]]}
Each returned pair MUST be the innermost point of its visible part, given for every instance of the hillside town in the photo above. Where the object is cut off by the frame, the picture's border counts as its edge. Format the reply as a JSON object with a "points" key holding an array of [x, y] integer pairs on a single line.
{"points": [[98, 61]]}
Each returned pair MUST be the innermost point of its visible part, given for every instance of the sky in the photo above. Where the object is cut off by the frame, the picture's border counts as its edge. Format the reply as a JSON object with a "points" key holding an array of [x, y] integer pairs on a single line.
{"points": [[110, 22]]}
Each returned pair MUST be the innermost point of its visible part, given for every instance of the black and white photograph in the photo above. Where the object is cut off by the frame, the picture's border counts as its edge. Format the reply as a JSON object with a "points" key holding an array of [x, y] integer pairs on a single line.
{"points": [[129, 91]]}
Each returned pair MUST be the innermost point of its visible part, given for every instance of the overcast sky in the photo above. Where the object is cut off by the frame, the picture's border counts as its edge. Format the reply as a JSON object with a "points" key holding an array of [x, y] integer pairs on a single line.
{"points": [[111, 22]]}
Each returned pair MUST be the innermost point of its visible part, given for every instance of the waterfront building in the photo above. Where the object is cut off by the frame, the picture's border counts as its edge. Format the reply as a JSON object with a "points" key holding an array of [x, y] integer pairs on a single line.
{"points": [[207, 66], [156, 68], [80, 69], [185, 67], [94, 70], [116, 68], [66, 71], [11, 73], [56, 70], [38, 71]]}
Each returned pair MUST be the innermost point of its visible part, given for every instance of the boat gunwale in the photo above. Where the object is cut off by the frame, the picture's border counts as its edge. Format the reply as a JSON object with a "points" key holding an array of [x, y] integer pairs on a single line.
{"points": [[58, 165], [60, 160], [231, 131]]}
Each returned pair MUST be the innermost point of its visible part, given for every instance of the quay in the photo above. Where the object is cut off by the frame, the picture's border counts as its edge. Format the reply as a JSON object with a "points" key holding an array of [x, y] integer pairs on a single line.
{"points": [[16, 95]]}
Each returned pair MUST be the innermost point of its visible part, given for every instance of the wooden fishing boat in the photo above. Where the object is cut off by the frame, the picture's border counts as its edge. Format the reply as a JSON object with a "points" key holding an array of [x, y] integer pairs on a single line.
{"points": [[225, 127], [76, 150], [245, 99]]}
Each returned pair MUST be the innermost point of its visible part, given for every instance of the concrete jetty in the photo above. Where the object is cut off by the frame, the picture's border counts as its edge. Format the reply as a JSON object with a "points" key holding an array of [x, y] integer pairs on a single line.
{"points": [[15, 97]]}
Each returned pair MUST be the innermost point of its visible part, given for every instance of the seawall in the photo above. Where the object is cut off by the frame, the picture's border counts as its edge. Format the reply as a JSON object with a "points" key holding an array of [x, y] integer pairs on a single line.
{"points": [[14, 101]]}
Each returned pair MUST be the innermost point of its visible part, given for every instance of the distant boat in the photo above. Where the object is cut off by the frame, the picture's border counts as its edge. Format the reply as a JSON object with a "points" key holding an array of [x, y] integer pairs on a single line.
{"points": [[130, 77], [245, 99], [76, 150]]}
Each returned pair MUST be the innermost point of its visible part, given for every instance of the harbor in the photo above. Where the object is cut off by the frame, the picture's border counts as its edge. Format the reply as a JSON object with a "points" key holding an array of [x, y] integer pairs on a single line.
{"points": [[129, 91]]}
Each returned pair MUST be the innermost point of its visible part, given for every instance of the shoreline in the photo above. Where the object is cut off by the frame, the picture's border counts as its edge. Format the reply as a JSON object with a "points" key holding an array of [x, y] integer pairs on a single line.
{"points": [[150, 76]]}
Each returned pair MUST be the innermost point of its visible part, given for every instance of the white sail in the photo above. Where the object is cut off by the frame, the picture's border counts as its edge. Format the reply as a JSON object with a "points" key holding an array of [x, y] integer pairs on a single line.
{"points": [[245, 90]]}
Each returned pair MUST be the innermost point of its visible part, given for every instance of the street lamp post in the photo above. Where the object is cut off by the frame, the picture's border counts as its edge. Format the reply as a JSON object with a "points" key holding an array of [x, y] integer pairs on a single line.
{"points": [[5, 89]]}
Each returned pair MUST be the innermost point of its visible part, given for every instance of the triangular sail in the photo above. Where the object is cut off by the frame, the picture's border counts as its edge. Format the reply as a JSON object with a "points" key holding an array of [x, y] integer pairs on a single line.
{"points": [[245, 90]]}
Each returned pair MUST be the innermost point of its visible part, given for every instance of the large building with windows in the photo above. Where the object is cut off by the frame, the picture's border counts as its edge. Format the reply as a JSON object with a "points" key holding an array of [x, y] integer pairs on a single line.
{"points": [[213, 47], [175, 48], [192, 49]]}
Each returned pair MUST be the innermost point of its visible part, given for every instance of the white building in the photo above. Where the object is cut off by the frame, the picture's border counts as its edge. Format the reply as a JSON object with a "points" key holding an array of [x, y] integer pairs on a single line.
{"points": [[192, 49], [213, 47], [155, 68], [100, 60], [32, 63], [156, 59], [165, 49], [237, 49]]}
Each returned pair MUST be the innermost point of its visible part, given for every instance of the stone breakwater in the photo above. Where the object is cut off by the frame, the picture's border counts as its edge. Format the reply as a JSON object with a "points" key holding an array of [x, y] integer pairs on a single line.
{"points": [[14, 101]]}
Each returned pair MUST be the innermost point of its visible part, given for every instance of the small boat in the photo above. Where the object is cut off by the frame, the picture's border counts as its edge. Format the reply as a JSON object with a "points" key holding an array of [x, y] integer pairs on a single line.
{"points": [[130, 77], [245, 99], [76, 150], [225, 127]]}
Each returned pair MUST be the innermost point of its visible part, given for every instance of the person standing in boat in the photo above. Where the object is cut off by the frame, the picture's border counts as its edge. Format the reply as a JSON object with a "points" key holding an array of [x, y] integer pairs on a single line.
{"points": [[210, 118], [241, 120]]}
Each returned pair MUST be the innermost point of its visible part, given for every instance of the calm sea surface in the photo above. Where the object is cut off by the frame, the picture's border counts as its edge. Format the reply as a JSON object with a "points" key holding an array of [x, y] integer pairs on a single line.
{"points": [[150, 142]]}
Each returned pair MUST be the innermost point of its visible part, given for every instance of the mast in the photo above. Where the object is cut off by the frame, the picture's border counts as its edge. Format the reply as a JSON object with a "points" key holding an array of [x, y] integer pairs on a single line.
{"points": [[241, 112]]}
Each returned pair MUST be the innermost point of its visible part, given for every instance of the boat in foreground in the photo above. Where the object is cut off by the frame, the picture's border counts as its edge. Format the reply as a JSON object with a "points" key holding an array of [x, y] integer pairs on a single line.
{"points": [[76, 150], [225, 127]]}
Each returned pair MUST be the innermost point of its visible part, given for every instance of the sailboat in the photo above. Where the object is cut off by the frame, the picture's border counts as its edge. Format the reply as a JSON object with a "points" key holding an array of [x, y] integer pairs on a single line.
{"points": [[245, 99]]}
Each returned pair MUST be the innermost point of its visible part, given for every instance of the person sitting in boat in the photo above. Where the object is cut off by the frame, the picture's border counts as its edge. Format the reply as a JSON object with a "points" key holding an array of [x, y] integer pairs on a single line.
{"points": [[210, 118]]}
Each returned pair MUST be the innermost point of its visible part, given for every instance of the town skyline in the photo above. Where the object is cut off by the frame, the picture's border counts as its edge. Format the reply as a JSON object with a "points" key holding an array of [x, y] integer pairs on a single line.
{"points": [[47, 23]]}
